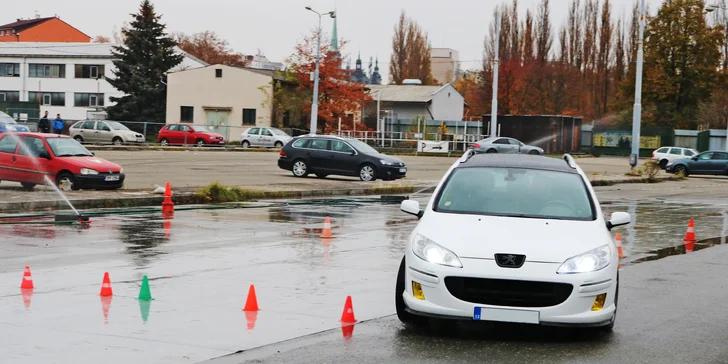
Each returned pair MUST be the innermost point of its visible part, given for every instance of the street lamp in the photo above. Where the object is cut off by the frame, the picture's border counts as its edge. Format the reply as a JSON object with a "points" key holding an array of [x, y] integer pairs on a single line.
{"points": [[314, 106], [637, 113]]}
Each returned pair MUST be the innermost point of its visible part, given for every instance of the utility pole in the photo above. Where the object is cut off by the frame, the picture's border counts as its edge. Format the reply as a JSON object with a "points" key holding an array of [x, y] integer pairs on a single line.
{"points": [[314, 105], [637, 113], [494, 103]]}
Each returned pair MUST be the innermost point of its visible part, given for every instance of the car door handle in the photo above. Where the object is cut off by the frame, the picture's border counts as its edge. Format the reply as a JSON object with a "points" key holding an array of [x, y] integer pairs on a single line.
{"points": [[308, 153], [13, 159]]}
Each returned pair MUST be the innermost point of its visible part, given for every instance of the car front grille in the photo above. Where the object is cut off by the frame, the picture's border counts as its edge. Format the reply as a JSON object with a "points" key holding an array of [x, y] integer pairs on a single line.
{"points": [[505, 292]]}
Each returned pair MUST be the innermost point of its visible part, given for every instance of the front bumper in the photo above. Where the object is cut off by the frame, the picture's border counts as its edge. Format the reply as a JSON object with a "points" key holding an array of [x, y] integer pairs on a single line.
{"points": [[575, 310], [98, 181], [395, 171]]}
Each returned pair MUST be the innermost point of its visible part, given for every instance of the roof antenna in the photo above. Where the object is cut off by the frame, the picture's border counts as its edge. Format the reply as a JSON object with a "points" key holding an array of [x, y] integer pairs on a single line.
{"points": [[37, 14]]}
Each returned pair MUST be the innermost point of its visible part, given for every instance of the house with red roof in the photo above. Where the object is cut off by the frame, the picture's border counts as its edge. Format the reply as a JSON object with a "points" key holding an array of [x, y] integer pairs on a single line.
{"points": [[51, 29]]}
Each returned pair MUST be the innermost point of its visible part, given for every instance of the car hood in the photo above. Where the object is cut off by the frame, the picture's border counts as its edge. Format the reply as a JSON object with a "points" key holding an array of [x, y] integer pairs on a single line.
{"points": [[391, 159], [541, 240], [95, 163]]}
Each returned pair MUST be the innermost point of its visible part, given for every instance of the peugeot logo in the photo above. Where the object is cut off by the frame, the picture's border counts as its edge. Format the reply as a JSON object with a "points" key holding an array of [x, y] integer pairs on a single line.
{"points": [[510, 260]]}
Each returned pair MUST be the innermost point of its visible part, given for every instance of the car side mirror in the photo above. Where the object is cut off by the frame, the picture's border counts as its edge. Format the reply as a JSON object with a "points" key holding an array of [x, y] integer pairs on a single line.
{"points": [[618, 219], [412, 207], [352, 153], [93, 154], [694, 158], [44, 155]]}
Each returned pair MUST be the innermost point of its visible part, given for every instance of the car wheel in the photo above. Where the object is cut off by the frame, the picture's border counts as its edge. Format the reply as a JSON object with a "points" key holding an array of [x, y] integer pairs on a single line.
{"points": [[164, 142], [117, 141], [279, 145], [491, 150], [27, 186], [78, 138], [321, 175], [300, 168], [65, 177], [534, 152], [199, 142], [402, 314], [246, 144], [367, 173], [663, 163], [681, 168]]}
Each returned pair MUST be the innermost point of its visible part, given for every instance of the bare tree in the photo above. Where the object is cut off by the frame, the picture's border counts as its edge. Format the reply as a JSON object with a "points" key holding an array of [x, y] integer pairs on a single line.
{"points": [[544, 38], [398, 60], [605, 51], [528, 41], [411, 53]]}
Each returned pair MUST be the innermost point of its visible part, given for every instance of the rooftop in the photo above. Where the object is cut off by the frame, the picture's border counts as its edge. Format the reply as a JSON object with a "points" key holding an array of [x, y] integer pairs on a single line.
{"points": [[404, 93], [518, 161], [22, 24], [51, 49]]}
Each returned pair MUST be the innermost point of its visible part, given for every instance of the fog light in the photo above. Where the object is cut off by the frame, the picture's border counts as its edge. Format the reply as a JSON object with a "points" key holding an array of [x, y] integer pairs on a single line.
{"points": [[599, 302], [417, 291]]}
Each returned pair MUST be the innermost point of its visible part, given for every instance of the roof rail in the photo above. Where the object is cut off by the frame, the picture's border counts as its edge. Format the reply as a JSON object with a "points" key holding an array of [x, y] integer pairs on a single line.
{"points": [[469, 153], [570, 160]]}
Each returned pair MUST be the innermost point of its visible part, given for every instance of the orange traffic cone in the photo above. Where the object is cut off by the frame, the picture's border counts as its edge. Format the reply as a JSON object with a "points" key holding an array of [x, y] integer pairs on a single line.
{"points": [[690, 234], [348, 315], [167, 204], [27, 279], [251, 304], [326, 233], [347, 331], [618, 239], [106, 286]]}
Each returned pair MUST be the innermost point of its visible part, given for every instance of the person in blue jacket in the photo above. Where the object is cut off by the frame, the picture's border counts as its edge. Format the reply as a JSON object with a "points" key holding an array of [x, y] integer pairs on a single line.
{"points": [[58, 124]]}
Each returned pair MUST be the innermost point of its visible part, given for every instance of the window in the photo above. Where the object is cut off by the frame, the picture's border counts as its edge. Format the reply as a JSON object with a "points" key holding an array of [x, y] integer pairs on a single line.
{"points": [[187, 114], [47, 98], [183, 128], [267, 132], [675, 151], [720, 156], [705, 156], [218, 73], [689, 152], [8, 144], [501, 141], [89, 71], [249, 116], [10, 96], [254, 131], [47, 70], [9, 69], [102, 126], [339, 146], [32, 147], [301, 143], [516, 192], [321, 144], [63, 147], [174, 127], [662, 150], [88, 99], [514, 142], [199, 128], [88, 125]]}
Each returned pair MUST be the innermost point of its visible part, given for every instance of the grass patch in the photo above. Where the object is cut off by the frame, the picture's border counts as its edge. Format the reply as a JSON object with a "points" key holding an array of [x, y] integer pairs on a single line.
{"points": [[217, 193]]}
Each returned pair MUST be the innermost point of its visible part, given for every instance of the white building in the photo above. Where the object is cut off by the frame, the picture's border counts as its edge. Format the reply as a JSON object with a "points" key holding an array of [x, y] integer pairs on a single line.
{"points": [[445, 63], [405, 102], [64, 78], [259, 61]]}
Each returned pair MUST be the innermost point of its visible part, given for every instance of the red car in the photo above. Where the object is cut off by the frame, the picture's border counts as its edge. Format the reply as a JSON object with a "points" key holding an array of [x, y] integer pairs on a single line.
{"points": [[188, 134], [33, 159]]}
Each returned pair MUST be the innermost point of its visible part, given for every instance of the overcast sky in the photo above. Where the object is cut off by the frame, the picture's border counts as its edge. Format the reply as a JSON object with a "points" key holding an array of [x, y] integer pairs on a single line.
{"points": [[274, 26]]}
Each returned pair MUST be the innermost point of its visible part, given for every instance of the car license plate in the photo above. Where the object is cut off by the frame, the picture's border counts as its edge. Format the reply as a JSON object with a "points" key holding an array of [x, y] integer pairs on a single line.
{"points": [[112, 178], [403, 170], [506, 315]]}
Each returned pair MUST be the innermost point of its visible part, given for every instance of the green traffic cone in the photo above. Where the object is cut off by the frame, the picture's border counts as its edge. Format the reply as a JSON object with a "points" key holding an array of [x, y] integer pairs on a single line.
{"points": [[145, 294]]}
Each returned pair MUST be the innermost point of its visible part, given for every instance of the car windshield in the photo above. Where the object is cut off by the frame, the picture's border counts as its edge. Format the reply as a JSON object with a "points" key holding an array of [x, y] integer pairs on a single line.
{"points": [[361, 146], [67, 147], [278, 132], [117, 125], [200, 129], [516, 192]]}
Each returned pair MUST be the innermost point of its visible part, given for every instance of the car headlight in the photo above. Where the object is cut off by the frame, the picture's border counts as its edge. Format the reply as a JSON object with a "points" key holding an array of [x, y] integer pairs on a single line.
{"points": [[386, 163], [89, 171], [590, 261], [430, 251]]}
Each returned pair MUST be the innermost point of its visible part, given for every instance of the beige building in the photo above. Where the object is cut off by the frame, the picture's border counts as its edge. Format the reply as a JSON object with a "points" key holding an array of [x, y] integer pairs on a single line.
{"points": [[445, 65], [225, 99]]}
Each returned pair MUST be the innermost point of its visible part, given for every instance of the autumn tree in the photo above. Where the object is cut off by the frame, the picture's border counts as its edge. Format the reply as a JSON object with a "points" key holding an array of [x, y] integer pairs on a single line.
{"points": [[101, 39], [337, 96], [210, 48], [411, 53]]}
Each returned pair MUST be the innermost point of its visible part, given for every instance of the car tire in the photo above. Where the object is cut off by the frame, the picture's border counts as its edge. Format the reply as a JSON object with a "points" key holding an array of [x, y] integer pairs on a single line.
{"points": [[368, 173], [117, 141], [300, 168], [279, 145], [65, 175], [491, 150], [164, 142], [534, 152], [199, 142], [681, 168], [402, 314], [27, 186], [245, 144], [321, 175], [663, 163], [78, 138]]}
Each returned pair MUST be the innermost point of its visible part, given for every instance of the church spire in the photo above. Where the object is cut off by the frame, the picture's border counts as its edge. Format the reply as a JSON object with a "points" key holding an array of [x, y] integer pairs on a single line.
{"points": [[335, 34]]}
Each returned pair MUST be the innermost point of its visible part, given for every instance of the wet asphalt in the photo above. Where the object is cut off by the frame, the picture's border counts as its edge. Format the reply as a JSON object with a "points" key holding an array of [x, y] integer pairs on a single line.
{"points": [[201, 264]]}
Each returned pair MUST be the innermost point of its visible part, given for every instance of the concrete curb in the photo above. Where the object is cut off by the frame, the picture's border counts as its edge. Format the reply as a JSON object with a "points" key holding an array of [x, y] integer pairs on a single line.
{"points": [[604, 182]]}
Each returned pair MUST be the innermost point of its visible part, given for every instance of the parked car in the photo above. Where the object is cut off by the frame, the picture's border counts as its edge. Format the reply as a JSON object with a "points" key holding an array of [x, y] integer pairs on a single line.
{"points": [[330, 155], [29, 158], [511, 239], [114, 132], [8, 124], [264, 137], [505, 145], [665, 155], [184, 134], [707, 163]]}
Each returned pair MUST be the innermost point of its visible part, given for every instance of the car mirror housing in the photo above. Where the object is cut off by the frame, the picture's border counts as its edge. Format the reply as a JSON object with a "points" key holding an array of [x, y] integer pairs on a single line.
{"points": [[352, 153], [618, 219], [44, 155], [412, 207], [694, 158]]}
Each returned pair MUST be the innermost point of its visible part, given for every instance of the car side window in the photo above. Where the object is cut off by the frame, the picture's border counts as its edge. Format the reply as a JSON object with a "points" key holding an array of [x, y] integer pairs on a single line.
{"points": [[514, 142], [8, 144], [675, 151], [301, 143], [662, 150], [172, 128], [254, 131], [267, 132], [32, 147], [183, 127], [720, 156], [688, 152], [501, 141], [339, 146], [705, 156], [89, 125], [102, 126], [320, 144]]}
